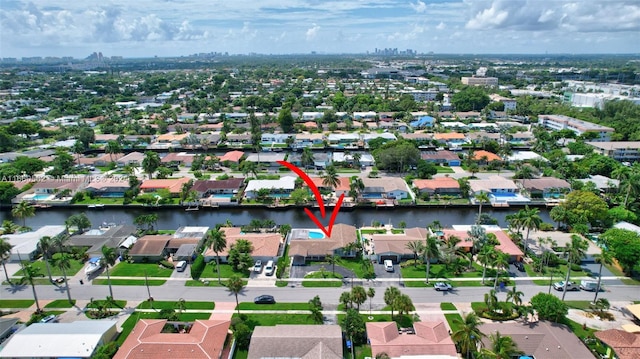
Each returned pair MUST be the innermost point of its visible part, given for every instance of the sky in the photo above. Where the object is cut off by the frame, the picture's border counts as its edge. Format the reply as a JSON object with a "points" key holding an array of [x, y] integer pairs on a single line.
{"points": [[143, 28]]}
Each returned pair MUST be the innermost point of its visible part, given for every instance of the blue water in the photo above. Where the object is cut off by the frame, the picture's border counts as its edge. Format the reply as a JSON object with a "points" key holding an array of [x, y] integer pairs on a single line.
{"points": [[41, 196], [223, 195], [371, 195], [279, 195], [504, 195], [316, 235]]}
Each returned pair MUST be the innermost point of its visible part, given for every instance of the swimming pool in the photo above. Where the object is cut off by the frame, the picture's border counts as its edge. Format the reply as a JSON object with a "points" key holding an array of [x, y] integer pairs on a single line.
{"points": [[41, 196], [316, 235], [222, 195], [504, 195]]}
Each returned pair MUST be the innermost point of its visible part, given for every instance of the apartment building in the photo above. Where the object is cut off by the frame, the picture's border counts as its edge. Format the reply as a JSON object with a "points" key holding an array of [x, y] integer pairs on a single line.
{"points": [[479, 81], [623, 151], [561, 122]]}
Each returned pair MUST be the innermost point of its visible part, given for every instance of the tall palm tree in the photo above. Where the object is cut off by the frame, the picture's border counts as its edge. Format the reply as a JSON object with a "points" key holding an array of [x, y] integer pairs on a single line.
{"points": [[45, 245], [109, 256], [390, 295], [330, 178], [64, 263], [530, 220], [307, 157], [30, 273], [415, 247], [430, 251], [502, 347], [486, 256], [468, 336], [5, 254], [150, 163], [370, 294], [491, 300], [23, 210], [515, 296], [331, 259], [606, 257], [482, 197], [235, 285], [500, 262], [576, 250], [356, 186], [218, 244]]}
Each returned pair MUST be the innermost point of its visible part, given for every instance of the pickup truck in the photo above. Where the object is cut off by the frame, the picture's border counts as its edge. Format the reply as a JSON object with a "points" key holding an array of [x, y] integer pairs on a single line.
{"points": [[570, 286]]}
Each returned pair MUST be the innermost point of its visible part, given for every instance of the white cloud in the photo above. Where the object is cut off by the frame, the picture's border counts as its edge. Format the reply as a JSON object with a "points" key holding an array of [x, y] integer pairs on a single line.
{"points": [[420, 7], [441, 26], [312, 32]]}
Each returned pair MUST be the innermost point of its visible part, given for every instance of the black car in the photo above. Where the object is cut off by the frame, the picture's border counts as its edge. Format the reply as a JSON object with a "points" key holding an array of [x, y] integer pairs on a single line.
{"points": [[519, 266], [264, 299]]}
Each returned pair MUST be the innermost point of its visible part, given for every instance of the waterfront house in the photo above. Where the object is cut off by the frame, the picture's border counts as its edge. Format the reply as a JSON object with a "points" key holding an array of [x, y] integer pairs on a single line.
{"points": [[150, 248], [438, 186], [25, 244], [171, 139], [268, 159], [174, 185], [423, 121], [266, 246], [450, 139], [343, 186], [188, 235], [231, 157], [387, 187], [133, 159], [623, 151], [493, 184], [120, 238], [175, 159], [103, 138], [78, 339], [208, 188], [296, 341], [366, 159], [384, 135], [48, 190], [106, 187], [393, 246], [421, 138], [279, 188], [545, 187], [602, 183], [443, 157], [484, 157], [427, 339], [200, 339], [343, 140], [303, 140], [505, 245], [238, 139], [312, 244], [268, 139]]}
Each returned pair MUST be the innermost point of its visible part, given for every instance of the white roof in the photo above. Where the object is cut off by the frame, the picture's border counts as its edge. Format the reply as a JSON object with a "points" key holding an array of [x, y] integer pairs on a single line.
{"points": [[343, 136], [526, 156], [452, 124], [57, 340], [287, 182], [27, 242], [628, 226]]}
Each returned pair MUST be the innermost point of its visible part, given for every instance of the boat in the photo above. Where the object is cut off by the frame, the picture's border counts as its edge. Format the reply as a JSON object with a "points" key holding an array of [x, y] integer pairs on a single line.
{"points": [[96, 206], [93, 265]]}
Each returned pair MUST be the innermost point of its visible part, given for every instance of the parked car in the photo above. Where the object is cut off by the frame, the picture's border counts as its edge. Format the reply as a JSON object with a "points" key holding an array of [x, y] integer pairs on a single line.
{"points": [[264, 299], [442, 286], [258, 266], [181, 266], [588, 285], [519, 266], [270, 268], [561, 286], [388, 265], [49, 319]]}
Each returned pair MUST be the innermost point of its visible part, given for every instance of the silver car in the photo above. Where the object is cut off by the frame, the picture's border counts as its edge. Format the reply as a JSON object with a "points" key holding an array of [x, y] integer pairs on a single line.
{"points": [[442, 286], [257, 268]]}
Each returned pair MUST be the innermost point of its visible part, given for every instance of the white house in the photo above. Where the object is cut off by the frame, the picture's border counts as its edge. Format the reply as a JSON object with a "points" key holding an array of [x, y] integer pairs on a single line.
{"points": [[25, 245], [284, 185]]}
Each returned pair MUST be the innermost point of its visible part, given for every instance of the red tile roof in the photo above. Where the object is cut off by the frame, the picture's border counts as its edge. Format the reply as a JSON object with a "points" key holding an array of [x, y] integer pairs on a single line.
{"points": [[436, 183], [478, 156], [626, 345], [343, 183], [174, 185], [232, 156], [505, 246], [205, 340], [430, 338]]}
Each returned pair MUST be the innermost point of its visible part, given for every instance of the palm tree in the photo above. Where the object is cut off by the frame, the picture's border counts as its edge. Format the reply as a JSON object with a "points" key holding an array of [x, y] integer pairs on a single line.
{"points": [[481, 198], [5, 254], [500, 262], [468, 336], [218, 244], [415, 247], [606, 257], [491, 300], [370, 294], [307, 157], [330, 178], [358, 296], [404, 304], [235, 285], [356, 186], [530, 220], [486, 256], [64, 263], [112, 148], [44, 245], [576, 250], [23, 210], [501, 348], [515, 295], [109, 256], [390, 295], [30, 273], [331, 259], [150, 163], [430, 251]]}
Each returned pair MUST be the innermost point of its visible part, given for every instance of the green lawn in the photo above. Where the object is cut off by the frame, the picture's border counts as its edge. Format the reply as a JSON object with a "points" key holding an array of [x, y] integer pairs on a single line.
{"points": [[55, 271], [373, 231], [254, 320], [61, 303], [447, 306], [578, 304], [441, 271], [16, 303], [319, 283], [173, 305], [209, 283], [450, 318], [150, 282], [442, 169], [128, 325], [118, 304], [125, 269], [362, 351], [282, 283], [100, 200], [241, 354], [321, 275], [403, 321], [226, 271], [276, 306], [356, 266]]}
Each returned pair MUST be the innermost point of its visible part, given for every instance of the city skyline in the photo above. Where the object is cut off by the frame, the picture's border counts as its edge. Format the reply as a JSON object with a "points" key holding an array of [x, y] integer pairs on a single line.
{"points": [[178, 28]]}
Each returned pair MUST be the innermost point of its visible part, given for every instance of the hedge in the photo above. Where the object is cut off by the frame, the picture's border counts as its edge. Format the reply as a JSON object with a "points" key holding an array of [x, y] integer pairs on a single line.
{"points": [[197, 267]]}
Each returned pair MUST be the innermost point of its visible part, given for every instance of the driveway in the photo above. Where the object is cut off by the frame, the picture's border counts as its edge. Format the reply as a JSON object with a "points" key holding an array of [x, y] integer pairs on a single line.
{"points": [[301, 271], [378, 269]]}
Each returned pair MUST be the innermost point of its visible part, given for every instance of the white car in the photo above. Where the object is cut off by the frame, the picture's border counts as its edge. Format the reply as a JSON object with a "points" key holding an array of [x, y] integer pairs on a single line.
{"points": [[442, 286], [570, 286], [257, 268]]}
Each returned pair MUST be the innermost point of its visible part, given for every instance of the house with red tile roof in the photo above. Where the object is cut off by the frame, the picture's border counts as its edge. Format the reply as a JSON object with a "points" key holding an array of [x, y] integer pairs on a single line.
{"points": [[266, 246], [438, 185], [342, 187], [625, 345], [174, 185], [426, 339], [232, 156], [205, 339], [483, 156], [506, 245]]}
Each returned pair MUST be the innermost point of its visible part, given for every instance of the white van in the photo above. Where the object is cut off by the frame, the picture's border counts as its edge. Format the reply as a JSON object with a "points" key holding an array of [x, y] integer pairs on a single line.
{"points": [[269, 269], [388, 265], [181, 266]]}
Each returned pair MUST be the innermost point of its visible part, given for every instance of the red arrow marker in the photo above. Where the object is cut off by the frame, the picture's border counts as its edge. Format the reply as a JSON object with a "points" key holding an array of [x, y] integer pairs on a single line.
{"points": [[316, 192]]}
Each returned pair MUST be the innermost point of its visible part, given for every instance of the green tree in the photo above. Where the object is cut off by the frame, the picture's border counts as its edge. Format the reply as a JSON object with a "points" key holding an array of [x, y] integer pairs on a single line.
{"points": [[218, 244], [299, 196], [500, 262], [481, 198], [549, 307], [486, 256], [370, 294], [331, 259], [330, 178], [240, 255], [64, 263], [625, 246], [30, 273], [112, 148], [468, 336], [515, 296], [396, 156], [235, 285], [23, 210], [404, 304], [358, 296], [7, 192], [575, 250], [415, 247], [307, 157], [44, 245], [108, 259], [605, 257], [285, 119], [430, 252], [150, 163], [470, 98], [354, 327], [80, 221], [502, 347], [5, 254], [530, 220], [390, 296], [586, 207]]}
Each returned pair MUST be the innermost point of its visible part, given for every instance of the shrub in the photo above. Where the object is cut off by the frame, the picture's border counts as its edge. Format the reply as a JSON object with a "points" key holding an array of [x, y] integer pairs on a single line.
{"points": [[545, 227], [575, 267], [197, 267], [242, 334], [282, 265], [549, 307], [167, 264], [106, 351]]}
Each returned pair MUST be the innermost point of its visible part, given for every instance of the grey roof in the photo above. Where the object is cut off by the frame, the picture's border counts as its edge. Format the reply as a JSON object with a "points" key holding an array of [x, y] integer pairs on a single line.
{"points": [[185, 250], [5, 326], [112, 238], [296, 341]]}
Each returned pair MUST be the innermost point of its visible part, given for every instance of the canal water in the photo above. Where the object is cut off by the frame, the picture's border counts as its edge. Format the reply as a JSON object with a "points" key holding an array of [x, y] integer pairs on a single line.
{"points": [[172, 218]]}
